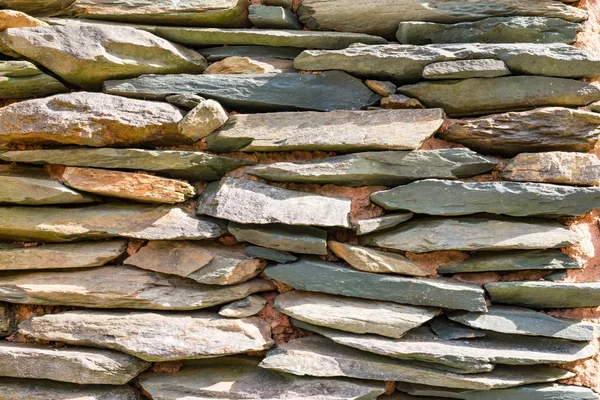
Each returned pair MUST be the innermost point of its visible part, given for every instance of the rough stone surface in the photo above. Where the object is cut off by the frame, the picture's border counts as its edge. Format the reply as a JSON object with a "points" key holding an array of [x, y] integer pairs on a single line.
{"points": [[379, 168], [244, 308], [6, 320], [250, 202], [473, 233], [365, 226], [205, 118], [17, 19], [244, 65], [464, 69], [153, 336], [30, 389], [282, 3], [185, 101], [36, 7], [450, 330], [540, 294], [87, 54], [539, 130], [22, 80], [353, 314], [297, 239], [219, 53], [400, 102], [319, 276], [382, 88], [273, 17], [334, 90], [279, 256]]}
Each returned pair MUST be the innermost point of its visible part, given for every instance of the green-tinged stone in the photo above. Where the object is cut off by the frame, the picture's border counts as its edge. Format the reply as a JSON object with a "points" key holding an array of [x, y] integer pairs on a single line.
{"points": [[464, 69], [219, 53], [475, 233], [273, 17], [450, 330], [247, 307], [315, 275], [31, 389], [36, 7], [365, 226], [544, 294], [279, 256], [297, 239], [185, 101], [557, 276], [379, 168], [22, 80]]}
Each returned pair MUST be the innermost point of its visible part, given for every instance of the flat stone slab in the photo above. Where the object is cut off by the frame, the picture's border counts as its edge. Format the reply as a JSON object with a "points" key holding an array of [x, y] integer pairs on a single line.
{"points": [[370, 225], [505, 198], [239, 378], [318, 356], [353, 314], [237, 200], [36, 7], [539, 130], [120, 287], [219, 53], [191, 165], [273, 17], [379, 168], [491, 30], [523, 321], [450, 330], [30, 389], [279, 256], [247, 307], [315, 275], [23, 80], [544, 294], [511, 261], [297, 239], [148, 222], [75, 365], [473, 233], [334, 90], [204, 262], [61, 256], [464, 69], [153, 336]]}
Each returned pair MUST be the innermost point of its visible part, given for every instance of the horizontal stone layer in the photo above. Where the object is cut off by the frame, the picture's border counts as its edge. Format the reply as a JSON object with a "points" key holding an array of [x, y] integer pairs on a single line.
{"points": [[280, 256], [297, 239], [219, 53], [32, 389], [463, 69], [545, 294], [377, 224], [22, 80]]}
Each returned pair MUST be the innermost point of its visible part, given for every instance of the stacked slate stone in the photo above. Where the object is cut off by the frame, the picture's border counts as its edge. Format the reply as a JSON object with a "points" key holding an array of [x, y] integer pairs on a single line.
{"points": [[174, 187]]}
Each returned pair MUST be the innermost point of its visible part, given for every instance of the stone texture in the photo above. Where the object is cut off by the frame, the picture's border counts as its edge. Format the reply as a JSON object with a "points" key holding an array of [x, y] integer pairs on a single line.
{"points": [[119, 287], [539, 130], [505, 198], [297, 239], [353, 314], [464, 69], [382, 88], [379, 168], [6, 320], [61, 256], [371, 260], [401, 102], [88, 54], [90, 119], [282, 3], [148, 222], [554, 167], [314, 275], [243, 65], [153, 336], [244, 308], [204, 262], [185, 101], [450, 330], [219, 53], [19, 389], [17, 19], [273, 17], [201, 121], [279, 256], [334, 90], [22, 80], [491, 30], [250, 202], [240, 378], [365, 226], [36, 7], [540, 294], [473, 233], [75, 365], [191, 165]]}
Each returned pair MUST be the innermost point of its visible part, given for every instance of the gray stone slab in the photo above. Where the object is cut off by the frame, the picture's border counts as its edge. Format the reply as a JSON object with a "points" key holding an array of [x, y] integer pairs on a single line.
{"points": [[544, 294], [371, 225], [31, 389], [219, 53], [463, 69], [297, 239], [450, 330], [279, 256], [247, 307], [273, 17], [23, 80]]}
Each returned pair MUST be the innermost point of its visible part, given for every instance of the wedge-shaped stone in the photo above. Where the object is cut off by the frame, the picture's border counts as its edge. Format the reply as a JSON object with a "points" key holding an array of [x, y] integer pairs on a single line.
{"points": [[379, 168], [119, 287], [76, 365], [153, 336], [317, 356], [219, 53], [353, 314], [507, 93], [554, 167], [22, 80], [491, 30], [247, 307], [270, 17], [297, 239], [348, 15], [30, 389], [464, 69], [433, 234], [522, 321], [279, 256], [511, 261], [250, 202], [191, 165], [334, 90], [450, 330], [90, 119], [61, 256], [208, 263], [544, 294], [241, 378], [507, 198], [542, 129], [370, 225], [319, 276]]}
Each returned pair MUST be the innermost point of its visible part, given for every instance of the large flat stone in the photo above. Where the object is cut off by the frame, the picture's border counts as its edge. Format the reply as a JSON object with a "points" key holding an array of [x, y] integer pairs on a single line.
{"points": [[542, 129], [297, 239], [250, 202], [219, 53], [153, 336], [22, 80], [505, 198], [334, 90], [473, 233], [315, 275], [119, 287], [191, 165], [353, 314], [379, 168], [544, 294], [88, 54], [241, 378], [30, 389]]}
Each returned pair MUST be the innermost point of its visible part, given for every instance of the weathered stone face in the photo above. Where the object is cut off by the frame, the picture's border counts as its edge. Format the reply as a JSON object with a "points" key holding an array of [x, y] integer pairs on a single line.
{"points": [[297, 239], [36, 7], [22, 79], [219, 53], [370, 225], [450, 330], [264, 253], [464, 69], [19, 389], [545, 294], [244, 308], [274, 17], [202, 120]]}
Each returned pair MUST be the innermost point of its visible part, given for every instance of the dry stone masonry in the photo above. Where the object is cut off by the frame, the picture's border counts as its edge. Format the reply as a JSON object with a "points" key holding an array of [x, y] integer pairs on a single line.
{"points": [[301, 200]]}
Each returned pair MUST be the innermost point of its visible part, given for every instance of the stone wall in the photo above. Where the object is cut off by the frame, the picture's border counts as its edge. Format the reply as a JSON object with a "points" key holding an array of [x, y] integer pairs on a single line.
{"points": [[325, 199]]}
